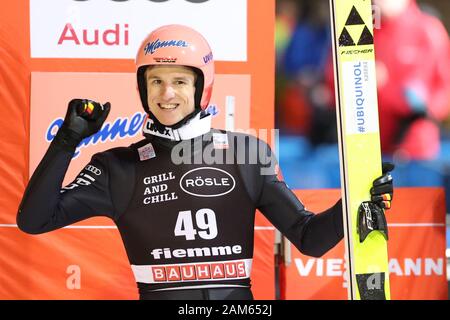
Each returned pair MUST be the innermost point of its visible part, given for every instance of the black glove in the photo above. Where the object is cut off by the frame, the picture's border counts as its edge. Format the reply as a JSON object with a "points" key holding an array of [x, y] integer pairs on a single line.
{"points": [[382, 189], [83, 118]]}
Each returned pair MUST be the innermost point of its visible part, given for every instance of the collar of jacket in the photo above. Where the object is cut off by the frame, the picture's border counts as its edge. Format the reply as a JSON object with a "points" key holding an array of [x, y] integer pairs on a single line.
{"points": [[197, 126]]}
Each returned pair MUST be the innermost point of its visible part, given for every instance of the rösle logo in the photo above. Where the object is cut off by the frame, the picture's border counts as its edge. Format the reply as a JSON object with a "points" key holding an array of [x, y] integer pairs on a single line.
{"points": [[207, 182]]}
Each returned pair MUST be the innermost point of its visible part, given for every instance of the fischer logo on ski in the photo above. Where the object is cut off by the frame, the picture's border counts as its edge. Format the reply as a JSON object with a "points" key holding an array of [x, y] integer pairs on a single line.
{"points": [[354, 19]]}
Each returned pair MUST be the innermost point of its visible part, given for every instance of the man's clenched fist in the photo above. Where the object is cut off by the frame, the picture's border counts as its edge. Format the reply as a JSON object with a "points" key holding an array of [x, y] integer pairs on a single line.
{"points": [[83, 118]]}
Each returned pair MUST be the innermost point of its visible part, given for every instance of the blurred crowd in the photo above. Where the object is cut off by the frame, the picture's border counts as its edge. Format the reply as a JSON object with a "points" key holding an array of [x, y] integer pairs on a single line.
{"points": [[412, 49]]}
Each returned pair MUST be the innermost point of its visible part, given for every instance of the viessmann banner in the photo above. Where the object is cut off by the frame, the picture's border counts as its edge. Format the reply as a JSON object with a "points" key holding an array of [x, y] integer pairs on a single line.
{"points": [[114, 29], [417, 263]]}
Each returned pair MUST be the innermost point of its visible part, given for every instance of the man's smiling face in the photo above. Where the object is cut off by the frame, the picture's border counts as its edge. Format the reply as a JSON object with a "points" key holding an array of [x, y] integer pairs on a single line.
{"points": [[170, 92]]}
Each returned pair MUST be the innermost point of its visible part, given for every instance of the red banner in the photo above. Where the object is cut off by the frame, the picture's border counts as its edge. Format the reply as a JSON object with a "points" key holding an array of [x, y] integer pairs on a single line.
{"points": [[416, 247]]}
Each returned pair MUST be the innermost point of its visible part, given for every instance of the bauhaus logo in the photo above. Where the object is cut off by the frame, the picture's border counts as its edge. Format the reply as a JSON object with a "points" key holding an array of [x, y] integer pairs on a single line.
{"points": [[203, 271], [196, 271], [355, 29]]}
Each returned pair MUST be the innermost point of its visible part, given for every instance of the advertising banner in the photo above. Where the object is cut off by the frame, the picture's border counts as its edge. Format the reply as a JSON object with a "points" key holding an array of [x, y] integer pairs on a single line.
{"points": [[115, 29], [416, 249]]}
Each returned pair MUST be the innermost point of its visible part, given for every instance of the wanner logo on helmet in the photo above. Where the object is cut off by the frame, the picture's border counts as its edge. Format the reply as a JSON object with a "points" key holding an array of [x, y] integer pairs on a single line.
{"points": [[155, 45]]}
